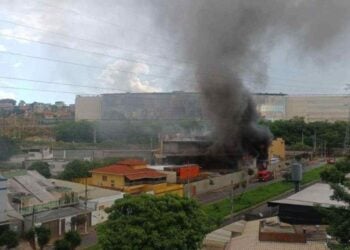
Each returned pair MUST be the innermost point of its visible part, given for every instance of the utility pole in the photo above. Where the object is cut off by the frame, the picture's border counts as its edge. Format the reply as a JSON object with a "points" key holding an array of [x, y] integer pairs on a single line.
{"points": [[315, 142], [302, 137], [347, 129]]}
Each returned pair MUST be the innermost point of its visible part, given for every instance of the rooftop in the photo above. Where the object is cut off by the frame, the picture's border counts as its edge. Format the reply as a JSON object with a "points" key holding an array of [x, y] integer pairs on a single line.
{"points": [[129, 172], [249, 240], [92, 191], [317, 194], [244, 235], [58, 213]]}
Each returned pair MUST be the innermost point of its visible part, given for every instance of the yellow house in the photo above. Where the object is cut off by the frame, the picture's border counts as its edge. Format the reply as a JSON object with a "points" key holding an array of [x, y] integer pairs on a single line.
{"points": [[134, 180], [277, 149]]}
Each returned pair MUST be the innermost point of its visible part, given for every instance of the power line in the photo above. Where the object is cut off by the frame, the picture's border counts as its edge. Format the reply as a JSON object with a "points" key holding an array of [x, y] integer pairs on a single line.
{"points": [[86, 65], [76, 12], [95, 42], [80, 50], [60, 83]]}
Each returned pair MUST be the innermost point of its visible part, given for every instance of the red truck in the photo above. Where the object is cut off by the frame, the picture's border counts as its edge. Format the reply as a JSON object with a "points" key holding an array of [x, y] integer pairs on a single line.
{"points": [[265, 175]]}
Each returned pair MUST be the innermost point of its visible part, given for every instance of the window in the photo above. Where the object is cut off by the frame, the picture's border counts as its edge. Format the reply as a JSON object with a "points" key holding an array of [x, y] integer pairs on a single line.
{"points": [[104, 178]]}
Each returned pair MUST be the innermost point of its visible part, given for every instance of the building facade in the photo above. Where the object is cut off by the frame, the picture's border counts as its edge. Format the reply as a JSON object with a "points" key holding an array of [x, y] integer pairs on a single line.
{"points": [[183, 105]]}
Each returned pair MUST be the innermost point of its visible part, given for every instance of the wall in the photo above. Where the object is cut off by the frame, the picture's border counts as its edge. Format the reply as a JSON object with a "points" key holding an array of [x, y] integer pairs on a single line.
{"points": [[88, 108], [277, 149], [89, 154], [318, 108], [98, 181], [214, 183]]}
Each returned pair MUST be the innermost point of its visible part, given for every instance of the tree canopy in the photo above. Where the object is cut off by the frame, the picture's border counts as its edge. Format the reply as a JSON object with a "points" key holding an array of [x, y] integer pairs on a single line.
{"points": [[42, 167], [151, 222], [295, 131], [339, 217], [8, 148], [80, 168], [80, 131]]}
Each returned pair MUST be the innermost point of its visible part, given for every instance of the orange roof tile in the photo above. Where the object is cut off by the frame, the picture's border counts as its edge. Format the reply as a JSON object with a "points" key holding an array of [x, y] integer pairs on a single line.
{"points": [[129, 172]]}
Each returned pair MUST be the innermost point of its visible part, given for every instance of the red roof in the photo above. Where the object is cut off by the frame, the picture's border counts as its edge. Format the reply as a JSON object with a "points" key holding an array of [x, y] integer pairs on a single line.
{"points": [[129, 172], [132, 162]]}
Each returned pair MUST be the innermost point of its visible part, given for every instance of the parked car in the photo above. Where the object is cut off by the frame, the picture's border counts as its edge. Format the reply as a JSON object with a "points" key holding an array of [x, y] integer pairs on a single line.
{"points": [[265, 175]]}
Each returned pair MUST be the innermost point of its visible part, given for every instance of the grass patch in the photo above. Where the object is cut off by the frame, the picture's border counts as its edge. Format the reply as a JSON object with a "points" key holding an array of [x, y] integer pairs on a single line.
{"points": [[94, 247], [217, 211]]}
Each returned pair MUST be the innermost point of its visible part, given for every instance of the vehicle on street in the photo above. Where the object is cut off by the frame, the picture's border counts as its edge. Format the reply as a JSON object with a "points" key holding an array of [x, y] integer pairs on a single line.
{"points": [[265, 175]]}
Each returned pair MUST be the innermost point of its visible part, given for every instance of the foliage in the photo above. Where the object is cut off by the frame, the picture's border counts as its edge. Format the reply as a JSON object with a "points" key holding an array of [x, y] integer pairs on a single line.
{"points": [[343, 165], [151, 222], [43, 235], [30, 237], [71, 131], [74, 239], [293, 130], [332, 174], [9, 239], [62, 244], [338, 218], [8, 148], [42, 167], [299, 147], [80, 168]]}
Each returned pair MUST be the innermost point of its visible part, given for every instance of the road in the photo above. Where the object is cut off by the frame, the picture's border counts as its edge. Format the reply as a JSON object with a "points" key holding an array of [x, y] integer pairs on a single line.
{"points": [[226, 192]]}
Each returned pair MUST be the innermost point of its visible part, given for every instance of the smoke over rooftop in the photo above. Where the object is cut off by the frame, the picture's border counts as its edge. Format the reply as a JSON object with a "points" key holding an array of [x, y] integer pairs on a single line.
{"points": [[229, 40]]}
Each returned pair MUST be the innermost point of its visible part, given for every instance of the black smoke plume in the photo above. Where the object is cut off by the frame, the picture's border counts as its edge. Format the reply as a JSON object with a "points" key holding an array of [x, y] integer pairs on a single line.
{"points": [[227, 41]]}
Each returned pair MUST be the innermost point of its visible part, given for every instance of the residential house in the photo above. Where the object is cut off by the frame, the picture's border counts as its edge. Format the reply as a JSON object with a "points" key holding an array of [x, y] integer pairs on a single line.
{"points": [[133, 176], [97, 199]]}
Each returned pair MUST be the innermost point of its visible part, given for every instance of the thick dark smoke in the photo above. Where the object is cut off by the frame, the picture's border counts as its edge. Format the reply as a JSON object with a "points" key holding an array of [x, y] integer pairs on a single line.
{"points": [[229, 40]]}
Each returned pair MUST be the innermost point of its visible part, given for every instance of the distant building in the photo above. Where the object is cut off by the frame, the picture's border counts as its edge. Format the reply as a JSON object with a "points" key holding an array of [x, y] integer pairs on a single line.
{"points": [[319, 108], [271, 106], [183, 105]]}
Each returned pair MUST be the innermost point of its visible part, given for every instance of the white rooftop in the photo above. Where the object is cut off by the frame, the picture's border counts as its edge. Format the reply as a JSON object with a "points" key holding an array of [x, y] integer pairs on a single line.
{"points": [[317, 194]]}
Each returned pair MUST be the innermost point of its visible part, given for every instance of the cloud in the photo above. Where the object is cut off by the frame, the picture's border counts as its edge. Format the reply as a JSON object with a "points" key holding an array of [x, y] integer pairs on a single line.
{"points": [[5, 94], [116, 75], [17, 65], [2, 48]]}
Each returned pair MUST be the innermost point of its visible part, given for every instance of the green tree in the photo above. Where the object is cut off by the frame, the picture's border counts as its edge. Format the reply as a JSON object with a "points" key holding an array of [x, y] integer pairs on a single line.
{"points": [[9, 239], [8, 148], [62, 244], [73, 238], [81, 131], [151, 222], [339, 217], [75, 169], [80, 169], [42, 167], [30, 237], [332, 174], [43, 235]]}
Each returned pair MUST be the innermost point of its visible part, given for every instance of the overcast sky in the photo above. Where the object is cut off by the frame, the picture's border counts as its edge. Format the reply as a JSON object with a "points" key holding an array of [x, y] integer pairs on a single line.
{"points": [[113, 46]]}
